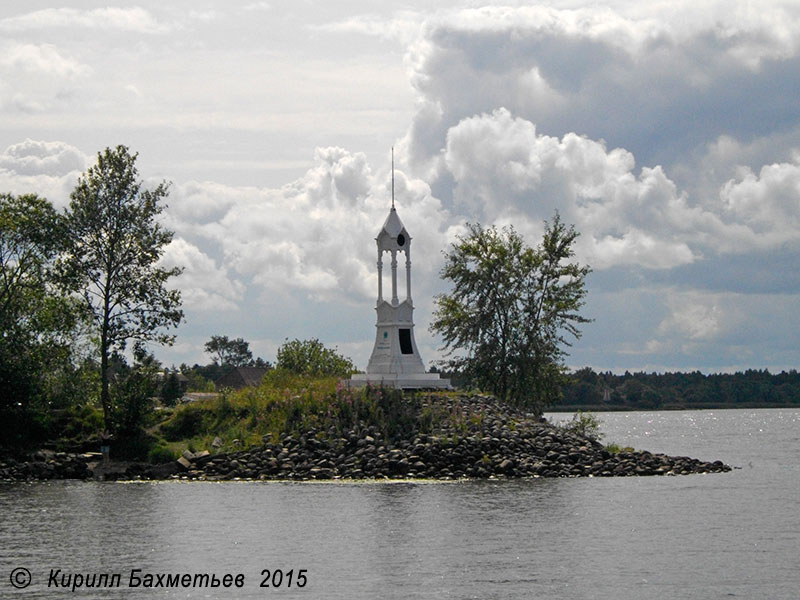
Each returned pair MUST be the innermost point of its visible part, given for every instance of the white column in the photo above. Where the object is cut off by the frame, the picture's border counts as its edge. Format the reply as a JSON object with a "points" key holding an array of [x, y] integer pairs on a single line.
{"points": [[394, 278], [380, 276], [408, 274]]}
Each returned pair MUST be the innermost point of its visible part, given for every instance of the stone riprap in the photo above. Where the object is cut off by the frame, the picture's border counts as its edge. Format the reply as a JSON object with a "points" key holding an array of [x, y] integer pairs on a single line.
{"points": [[479, 438], [47, 465]]}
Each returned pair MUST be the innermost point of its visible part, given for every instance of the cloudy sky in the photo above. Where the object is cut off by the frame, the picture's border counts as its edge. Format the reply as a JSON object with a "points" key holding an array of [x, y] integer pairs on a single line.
{"points": [[668, 132]]}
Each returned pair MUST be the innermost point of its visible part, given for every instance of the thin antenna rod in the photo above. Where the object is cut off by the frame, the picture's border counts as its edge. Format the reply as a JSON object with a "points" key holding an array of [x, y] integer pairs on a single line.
{"points": [[392, 177]]}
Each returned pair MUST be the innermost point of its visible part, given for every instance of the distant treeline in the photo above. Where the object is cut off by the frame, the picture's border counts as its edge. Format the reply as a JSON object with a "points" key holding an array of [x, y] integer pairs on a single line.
{"points": [[588, 390]]}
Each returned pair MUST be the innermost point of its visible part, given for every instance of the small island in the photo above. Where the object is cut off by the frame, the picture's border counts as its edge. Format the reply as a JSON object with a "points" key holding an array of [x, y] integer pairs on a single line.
{"points": [[303, 428]]}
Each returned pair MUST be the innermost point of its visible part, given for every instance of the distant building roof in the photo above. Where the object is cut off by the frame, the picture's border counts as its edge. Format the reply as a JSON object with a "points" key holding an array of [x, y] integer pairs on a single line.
{"points": [[240, 377]]}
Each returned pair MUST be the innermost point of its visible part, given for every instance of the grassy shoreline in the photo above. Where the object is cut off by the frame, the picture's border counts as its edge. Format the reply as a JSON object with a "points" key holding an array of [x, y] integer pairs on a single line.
{"points": [[298, 428]]}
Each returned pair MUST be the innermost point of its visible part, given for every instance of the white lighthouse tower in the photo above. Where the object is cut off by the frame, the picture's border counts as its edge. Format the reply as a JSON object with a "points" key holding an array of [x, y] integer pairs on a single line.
{"points": [[395, 360]]}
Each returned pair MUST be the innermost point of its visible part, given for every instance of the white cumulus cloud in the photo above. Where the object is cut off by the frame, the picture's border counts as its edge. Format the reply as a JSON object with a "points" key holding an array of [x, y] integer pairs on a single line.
{"points": [[204, 285], [49, 169], [767, 203], [503, 170], [35, 157]]}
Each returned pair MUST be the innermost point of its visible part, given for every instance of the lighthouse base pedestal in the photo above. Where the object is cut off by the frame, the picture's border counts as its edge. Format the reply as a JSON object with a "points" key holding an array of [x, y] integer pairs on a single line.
{"points": [[403, 381]]}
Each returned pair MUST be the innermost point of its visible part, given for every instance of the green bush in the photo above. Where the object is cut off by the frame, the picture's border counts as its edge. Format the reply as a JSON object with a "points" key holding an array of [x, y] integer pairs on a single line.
{"points": [[161, 454], [311, 357], [77, 423], [133, 401], [187, 422], [584, 424], [223, 409]]}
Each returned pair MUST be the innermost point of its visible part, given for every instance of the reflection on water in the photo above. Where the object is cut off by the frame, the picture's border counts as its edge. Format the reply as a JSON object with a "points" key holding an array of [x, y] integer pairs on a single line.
{"points": [[707, 536]]}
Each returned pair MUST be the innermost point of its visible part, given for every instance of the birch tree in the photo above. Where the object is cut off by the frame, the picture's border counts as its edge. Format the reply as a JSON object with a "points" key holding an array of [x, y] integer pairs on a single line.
{"points": [[114, 243]]}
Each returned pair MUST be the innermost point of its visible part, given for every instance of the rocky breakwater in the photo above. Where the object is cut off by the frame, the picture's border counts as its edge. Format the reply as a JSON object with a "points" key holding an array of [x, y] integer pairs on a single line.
{"points": [[47, 465], [469, 437]]}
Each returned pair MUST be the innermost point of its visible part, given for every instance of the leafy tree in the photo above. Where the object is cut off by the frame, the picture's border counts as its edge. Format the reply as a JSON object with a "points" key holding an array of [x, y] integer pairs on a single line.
{"points": [[506, 321], [171, 390], [114, 243], [134, 391], [38, 325], [229, 353], [30, 236], [311, 357], [260, 362], [202, 377]]}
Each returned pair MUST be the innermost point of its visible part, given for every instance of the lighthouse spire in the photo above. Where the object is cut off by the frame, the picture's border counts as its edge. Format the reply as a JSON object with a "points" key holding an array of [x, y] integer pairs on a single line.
{"points": [[392, 177]]}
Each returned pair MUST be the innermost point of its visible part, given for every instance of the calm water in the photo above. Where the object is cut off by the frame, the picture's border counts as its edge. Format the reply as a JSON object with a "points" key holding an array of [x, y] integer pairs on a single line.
{"points": [[734, 535]]}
